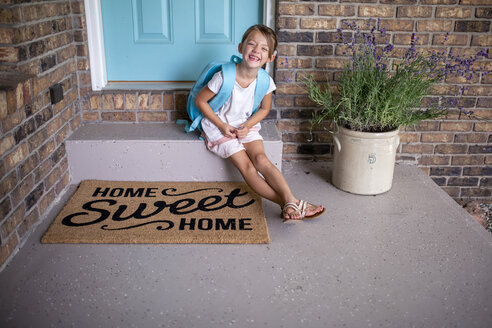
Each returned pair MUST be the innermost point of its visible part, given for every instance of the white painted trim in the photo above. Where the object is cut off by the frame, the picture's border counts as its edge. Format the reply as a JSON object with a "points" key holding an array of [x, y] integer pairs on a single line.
{"points": [[269, 13], [269, 20], [95, 38]]}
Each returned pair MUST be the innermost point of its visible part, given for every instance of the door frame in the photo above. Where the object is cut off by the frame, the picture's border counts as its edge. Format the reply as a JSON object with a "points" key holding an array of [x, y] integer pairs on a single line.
{"points": [[95, 40]]}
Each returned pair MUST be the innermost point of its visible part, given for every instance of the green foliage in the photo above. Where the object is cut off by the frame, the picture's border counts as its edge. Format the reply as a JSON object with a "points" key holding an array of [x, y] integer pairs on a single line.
{"points": [[373, 97]]}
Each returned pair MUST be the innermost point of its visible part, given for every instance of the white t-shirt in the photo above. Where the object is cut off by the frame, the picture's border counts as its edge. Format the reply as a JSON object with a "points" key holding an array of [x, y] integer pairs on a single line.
{"points": [[236, 110]]}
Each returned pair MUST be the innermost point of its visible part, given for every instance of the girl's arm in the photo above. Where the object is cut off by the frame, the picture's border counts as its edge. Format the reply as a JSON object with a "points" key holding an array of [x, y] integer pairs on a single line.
{"points": [[261, 113], [201, 101]]}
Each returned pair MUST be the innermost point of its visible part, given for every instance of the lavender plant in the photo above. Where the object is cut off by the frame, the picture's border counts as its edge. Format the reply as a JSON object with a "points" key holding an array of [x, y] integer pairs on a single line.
{"points": [[378, 92]]}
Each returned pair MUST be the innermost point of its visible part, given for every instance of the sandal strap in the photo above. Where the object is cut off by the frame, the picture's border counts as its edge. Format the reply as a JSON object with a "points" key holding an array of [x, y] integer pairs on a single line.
{"points": [[290, 205], [294, 207], [302, 207]]}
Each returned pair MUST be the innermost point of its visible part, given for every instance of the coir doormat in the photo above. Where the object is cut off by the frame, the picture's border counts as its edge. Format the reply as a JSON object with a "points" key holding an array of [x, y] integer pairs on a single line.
{"points": [[160, 212]]}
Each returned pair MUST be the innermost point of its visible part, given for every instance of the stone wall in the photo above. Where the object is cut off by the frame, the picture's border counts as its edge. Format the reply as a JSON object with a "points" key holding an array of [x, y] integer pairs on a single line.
{"points": [[41, 44]]}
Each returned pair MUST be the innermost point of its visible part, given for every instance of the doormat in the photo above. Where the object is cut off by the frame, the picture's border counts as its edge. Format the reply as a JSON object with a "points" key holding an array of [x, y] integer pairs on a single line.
{"points": [[160, 212]]}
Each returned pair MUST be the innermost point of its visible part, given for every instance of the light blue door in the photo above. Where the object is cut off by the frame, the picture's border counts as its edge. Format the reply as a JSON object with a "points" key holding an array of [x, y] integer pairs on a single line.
{"points": [[172, 40]]}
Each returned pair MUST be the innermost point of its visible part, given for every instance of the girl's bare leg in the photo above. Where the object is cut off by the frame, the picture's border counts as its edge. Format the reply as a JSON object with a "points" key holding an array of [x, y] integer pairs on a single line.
{"points": [[256, 152], [243, 163], [274, 178]]}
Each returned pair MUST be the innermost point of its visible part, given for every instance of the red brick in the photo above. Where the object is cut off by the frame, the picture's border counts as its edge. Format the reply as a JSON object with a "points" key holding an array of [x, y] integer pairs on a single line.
{"points": [[414, 12], [398, 25], [6, 144], [483, 127], [451, 149], [156, 101], [95, 102], [91, 116], [472, 26], [119, 116], [16, 156], [181, 101], [13, 221], [168, 101], [28, 222], [7, 248], [406, 38], [296, 9], [475, 192], [143, 101], [286, 50], [453, 12], [331, 63], [468, 160], [460, 126], [336, 10], [284, 76], [131, 101], [478, 91], [417, 148], [319, 23], [437, 137], [287, 22], [46, 149], [406, 137], [107, 101], [452, 39], [7, 184], [22, 190], [452, 191], [152, 116], [376, 11], [434, 26], [291, 89], [45, 202], [481, 40], [283, 101], [471, 138], [62, 183], [294, 63], [434, 160], [314, 50], [317, 75]]}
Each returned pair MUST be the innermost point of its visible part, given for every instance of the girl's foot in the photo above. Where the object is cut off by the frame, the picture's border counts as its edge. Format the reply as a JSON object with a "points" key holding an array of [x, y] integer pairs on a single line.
{"points": [[301, 210]]}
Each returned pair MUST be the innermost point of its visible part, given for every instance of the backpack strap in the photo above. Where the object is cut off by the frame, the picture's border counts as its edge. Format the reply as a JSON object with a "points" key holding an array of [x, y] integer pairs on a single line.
{"points": [[262, 85], [228, 81]]}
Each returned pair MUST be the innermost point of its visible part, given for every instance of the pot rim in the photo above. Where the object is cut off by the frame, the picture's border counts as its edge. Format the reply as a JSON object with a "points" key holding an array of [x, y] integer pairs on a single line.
{"points": [[367, 135]]}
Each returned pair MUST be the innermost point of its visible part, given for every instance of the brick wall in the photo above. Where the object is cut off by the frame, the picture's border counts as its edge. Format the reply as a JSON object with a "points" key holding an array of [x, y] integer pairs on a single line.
{"points": [[457, 154], [41, 43], [45, 42]]}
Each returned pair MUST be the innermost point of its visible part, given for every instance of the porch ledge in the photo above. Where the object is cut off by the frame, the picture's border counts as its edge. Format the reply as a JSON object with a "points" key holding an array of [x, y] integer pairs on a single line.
{"points": [[153, 152]]}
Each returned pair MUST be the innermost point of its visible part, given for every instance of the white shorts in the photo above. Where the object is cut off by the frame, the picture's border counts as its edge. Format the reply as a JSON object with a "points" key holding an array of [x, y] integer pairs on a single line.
{"points": [[232, 146]]}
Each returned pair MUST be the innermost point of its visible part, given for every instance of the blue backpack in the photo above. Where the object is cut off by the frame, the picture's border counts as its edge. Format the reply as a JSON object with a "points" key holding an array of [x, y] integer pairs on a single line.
{"points": [[229, 78]]}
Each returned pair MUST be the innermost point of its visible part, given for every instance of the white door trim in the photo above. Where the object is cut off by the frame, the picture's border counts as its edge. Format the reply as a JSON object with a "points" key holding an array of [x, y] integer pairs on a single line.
{"points": [[95, 38]]}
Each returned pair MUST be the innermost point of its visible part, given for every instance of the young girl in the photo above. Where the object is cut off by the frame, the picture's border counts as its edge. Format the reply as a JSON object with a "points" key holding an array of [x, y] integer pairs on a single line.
{"points": [[232, 133]]}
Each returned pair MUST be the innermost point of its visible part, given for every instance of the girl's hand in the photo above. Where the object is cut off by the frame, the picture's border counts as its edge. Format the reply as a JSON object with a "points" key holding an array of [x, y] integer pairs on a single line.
{"points": [[228, 130], [242, 132]]}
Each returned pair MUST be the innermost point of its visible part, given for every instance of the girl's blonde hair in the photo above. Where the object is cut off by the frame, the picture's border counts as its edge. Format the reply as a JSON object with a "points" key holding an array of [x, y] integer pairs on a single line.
{"points": [[267, 32]]}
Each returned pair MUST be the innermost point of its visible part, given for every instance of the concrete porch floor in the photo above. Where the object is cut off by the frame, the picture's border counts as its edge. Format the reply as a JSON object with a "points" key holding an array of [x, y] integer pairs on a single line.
{"points": [[411, 257]]}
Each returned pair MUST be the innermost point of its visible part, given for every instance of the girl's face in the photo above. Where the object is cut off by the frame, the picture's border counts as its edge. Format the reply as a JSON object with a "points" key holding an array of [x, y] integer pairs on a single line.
{"points": [[255, 50]]}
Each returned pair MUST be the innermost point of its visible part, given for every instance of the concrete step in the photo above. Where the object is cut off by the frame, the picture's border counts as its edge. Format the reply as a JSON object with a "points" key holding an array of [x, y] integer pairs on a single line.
{"points": [[153, 152]]}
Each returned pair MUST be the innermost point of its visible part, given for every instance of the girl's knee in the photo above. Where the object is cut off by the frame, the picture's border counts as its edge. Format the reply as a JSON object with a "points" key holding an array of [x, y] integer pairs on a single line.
{"points": [[262, 162], [246, 167]]}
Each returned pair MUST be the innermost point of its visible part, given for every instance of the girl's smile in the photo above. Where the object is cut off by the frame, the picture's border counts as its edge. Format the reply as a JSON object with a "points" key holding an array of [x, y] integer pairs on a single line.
{"points": [[255, 50]]}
